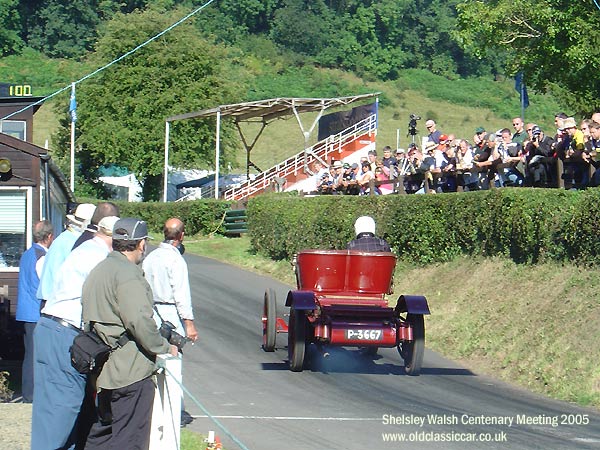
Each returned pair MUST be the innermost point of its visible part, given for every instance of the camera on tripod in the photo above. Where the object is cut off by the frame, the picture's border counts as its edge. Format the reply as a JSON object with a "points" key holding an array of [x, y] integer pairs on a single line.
{"points": [[412, 124]]}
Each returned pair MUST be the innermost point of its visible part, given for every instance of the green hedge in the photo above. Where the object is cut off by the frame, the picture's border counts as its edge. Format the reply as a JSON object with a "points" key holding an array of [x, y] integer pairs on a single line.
{"points": [[199, 216], [526, 225]]}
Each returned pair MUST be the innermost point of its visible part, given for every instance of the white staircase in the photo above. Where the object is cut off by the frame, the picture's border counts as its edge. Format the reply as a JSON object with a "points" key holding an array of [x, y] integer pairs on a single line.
{"points": [[336, 146]]}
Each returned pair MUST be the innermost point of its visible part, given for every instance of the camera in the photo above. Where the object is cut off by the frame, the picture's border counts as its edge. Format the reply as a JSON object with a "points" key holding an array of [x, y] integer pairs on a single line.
{"points": [[535, 132], [412, 124], [167, 330]]}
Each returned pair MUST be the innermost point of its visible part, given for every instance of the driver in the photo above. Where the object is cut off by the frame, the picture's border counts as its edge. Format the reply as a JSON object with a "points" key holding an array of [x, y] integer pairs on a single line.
{"points": [[366, 240]]}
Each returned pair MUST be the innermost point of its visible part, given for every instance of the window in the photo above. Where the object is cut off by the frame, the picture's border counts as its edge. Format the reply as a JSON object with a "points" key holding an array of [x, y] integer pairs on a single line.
{"points": [[15, 205], [14, 128]]}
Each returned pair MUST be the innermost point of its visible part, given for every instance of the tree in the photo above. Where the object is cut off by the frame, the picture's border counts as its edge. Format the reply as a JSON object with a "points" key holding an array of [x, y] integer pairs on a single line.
{"points": [[62, 28], [122, 111], [302, 26], [10, 28], [554, 42]]}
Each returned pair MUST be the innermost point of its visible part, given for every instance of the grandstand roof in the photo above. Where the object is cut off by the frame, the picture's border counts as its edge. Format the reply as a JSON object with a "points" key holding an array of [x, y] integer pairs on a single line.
{"points": [[270, 109]]}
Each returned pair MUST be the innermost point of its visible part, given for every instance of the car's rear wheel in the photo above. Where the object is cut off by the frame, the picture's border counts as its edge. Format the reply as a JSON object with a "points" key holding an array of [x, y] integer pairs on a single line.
{"points": [[412, 351], [269, 321], [297, 340]]}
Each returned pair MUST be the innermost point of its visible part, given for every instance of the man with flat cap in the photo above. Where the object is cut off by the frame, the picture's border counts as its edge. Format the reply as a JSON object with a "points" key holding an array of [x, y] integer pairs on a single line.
{"points": [[117, 302]]}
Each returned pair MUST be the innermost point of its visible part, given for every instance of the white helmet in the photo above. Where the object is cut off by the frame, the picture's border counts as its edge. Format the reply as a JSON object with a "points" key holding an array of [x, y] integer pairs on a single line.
{"points": [[364, 224]]}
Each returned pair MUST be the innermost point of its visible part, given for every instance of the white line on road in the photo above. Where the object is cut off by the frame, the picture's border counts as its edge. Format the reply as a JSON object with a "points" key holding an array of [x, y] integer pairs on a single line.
{"points": [[333, 419]]}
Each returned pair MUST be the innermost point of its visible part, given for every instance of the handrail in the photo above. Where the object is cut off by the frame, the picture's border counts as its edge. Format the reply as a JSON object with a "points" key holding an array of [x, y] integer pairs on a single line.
{"points": [[293, 164]]}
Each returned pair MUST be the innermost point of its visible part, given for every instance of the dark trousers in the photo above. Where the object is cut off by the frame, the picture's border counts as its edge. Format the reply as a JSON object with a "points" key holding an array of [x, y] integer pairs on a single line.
{"points": [[124, 418], [27, 369]]}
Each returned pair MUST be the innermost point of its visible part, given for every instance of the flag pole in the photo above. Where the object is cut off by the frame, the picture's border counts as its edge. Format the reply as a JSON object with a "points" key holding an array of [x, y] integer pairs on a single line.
{"points": [[72, 107], [522, 100]]}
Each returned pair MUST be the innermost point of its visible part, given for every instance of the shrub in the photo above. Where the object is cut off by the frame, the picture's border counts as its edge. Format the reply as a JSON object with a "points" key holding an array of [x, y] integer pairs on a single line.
{"points": [[526, 225], [199, 216]]}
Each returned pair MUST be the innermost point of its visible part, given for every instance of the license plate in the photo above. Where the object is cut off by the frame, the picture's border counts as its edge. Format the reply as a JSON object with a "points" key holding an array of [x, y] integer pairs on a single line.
{"points": [[364, 335]]}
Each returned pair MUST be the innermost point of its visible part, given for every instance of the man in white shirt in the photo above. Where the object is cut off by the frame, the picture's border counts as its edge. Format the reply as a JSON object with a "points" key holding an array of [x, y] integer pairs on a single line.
{"points": [[167, 273], [59, 388]]}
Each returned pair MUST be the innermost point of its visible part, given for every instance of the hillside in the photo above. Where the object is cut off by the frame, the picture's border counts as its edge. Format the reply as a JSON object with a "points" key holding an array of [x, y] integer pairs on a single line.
{"points": [[459, 106]]}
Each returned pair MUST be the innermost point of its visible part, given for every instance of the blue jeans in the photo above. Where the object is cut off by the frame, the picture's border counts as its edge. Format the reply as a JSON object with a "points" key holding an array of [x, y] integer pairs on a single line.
{"points": [[59, 388]]}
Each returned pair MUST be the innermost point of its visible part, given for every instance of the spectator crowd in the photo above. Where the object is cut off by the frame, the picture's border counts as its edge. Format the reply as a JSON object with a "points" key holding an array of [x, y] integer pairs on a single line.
{"points": [[90, 279], [524, 155]]}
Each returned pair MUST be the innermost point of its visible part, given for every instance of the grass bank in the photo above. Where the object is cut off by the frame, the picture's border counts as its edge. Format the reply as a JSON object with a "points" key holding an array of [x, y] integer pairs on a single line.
{"points": [[535, 326]]}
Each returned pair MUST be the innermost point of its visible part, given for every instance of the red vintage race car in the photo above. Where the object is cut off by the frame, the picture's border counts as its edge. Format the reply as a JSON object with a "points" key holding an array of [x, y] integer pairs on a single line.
{"points": [[341, 301]]}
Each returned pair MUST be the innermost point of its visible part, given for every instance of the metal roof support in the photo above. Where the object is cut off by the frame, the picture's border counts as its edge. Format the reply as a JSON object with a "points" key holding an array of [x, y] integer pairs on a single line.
{"points": [[217, 152], [307, 133], [166, 177], [251, 146]]}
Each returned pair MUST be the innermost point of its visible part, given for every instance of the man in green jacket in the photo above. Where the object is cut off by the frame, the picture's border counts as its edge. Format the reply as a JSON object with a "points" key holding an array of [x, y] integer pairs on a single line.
{"points": [[117, 301]]}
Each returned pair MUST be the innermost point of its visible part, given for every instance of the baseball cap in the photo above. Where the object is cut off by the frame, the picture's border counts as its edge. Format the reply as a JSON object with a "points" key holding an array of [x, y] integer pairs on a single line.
{"points": [[443, 139], [346, 166], [130, 229], [107, 224], [355, 165], [400, 150], [337, 164], [479, 130]]}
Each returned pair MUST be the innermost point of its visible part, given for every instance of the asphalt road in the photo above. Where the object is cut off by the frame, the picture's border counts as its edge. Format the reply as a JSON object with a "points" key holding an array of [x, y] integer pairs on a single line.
{"points": [[348, 400]]}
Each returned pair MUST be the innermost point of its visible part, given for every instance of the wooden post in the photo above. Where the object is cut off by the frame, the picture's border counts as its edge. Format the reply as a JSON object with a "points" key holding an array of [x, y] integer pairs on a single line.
{"points": [[400, 189], [560, 181]]}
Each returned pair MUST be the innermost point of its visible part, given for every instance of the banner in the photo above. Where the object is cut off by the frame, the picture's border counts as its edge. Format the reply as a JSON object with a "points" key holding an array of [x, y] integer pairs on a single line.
{"points": [[336, 122]]}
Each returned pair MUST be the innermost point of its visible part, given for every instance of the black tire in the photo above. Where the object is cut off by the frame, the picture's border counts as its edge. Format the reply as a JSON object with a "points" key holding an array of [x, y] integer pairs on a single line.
{"points": [[269, 320], [296, 340], [412, 352]]}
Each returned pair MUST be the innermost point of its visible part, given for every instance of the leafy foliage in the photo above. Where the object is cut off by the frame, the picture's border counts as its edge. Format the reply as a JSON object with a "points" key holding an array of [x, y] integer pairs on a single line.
{"points": [[526, 225], [553, 41], [10, 41], [200, 216], [62, 28]]}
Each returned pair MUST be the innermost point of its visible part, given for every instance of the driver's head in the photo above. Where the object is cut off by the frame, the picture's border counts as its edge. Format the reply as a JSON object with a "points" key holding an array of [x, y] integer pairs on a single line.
{"points": [[364, 224]]}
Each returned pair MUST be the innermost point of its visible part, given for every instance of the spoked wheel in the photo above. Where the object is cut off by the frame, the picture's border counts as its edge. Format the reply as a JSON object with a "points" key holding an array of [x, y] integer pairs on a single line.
{"points": [[296, 340], [269, 321], [412, 352]]}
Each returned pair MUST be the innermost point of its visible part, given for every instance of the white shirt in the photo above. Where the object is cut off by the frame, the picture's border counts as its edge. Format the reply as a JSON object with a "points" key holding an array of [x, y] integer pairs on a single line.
{"points": [[65, 301], [167, 273], [39, 265]]}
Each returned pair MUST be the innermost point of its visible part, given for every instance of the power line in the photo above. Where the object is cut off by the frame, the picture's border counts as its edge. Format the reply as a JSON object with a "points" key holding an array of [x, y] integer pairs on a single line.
{"points": [[166, 30]]}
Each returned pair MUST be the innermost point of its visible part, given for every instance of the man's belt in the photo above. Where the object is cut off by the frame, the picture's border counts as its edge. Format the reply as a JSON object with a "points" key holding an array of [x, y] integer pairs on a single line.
{"points": [[165, 303], [63, 322]]}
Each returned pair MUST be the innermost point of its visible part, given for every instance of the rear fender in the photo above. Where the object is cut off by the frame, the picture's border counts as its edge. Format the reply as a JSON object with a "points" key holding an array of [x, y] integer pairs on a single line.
{"points": [[413, 304], [301, 300]]}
